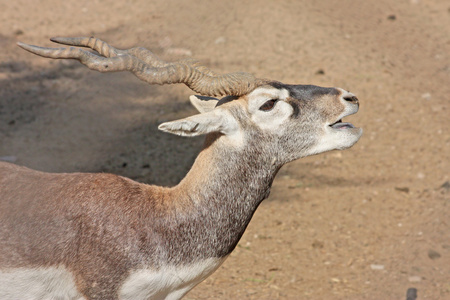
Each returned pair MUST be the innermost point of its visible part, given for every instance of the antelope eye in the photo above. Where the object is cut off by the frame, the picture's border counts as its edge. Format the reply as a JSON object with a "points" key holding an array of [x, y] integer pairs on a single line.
{"points": [[268, 105]]}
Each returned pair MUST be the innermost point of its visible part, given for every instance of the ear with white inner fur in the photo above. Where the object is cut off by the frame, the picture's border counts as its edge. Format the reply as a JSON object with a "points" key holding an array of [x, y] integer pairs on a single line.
{"points": [[204, 123], [202, 103]]}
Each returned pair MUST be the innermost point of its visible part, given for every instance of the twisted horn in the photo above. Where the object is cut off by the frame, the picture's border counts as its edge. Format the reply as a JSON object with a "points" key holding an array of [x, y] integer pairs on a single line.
{"points": [[148, 67]]}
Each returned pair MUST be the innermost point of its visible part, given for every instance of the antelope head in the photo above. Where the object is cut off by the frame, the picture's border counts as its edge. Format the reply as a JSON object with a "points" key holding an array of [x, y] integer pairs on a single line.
{"points": [[296, 120]]}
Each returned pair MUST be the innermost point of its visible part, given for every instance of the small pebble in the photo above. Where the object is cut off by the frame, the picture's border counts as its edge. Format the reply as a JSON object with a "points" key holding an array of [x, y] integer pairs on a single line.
{"points": [[446, 185], [392, 17], [377, 267], [317, 245], [220, 40], [275, 287], [414, 278], [320, 72], [411, 294], [402, 189], [433, 254], [18, 32], [426, 96]]}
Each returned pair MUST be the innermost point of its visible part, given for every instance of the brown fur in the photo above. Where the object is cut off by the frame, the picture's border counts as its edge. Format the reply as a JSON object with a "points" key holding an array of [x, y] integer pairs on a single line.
{"points": [[98, 224], [103, 226]]}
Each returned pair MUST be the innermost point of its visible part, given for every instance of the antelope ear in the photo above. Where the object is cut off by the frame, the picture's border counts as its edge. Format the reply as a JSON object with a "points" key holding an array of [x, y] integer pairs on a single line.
{"points": [[202, 103], [204, 123]]}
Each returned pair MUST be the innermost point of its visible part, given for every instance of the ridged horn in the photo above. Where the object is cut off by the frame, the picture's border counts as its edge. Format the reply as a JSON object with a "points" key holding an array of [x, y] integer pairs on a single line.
{"points": [[148, 67]]}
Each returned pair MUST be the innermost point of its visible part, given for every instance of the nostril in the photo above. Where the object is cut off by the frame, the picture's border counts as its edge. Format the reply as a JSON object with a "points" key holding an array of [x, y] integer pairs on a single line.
{"points": [[351, 99]]}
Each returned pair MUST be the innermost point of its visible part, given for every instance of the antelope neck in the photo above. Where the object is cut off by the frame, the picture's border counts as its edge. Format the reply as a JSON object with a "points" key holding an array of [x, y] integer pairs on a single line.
{"points": [[220, 194]]}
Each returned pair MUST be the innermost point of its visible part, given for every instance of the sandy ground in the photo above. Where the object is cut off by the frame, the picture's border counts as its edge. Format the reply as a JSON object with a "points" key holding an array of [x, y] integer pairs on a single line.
{"points": [[365, 223]]}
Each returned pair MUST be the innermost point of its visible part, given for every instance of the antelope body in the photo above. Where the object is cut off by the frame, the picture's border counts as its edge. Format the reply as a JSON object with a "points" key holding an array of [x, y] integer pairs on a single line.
{"points": [[103, 236]]}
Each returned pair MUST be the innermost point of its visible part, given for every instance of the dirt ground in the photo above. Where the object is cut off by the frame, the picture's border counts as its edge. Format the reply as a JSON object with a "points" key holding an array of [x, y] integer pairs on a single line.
{"points": [[365, 223]]}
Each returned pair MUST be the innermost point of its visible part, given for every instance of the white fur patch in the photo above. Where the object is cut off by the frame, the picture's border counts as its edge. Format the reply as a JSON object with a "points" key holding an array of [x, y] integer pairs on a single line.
{"points": [[262, 94], [169, 282], [37, 284], [336, 140], [274, 119]]}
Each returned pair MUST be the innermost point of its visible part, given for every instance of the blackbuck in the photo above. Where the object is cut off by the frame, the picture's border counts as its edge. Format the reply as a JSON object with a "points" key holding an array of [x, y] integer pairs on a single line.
{"points": [[103, 236]]}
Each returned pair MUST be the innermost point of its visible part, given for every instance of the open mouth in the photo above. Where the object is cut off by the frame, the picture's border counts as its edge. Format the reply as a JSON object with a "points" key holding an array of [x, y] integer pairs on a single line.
{"points": [[341, 125]]}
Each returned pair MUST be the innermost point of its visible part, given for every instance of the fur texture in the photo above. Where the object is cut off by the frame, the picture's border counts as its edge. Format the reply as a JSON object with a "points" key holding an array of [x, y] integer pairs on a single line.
{"points": [[109, 237]]}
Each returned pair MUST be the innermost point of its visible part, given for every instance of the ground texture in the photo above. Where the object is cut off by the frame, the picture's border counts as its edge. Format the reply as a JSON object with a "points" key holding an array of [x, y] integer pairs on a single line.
{"points": [[365, 223]]}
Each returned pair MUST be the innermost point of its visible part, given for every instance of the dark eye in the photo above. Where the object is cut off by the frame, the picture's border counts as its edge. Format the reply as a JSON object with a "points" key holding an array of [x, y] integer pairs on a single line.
{"points": [[268, 105]]}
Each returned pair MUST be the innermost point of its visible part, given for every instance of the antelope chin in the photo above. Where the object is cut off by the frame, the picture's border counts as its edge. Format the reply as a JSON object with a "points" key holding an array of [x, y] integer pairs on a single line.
{"points": [[340, 136]]}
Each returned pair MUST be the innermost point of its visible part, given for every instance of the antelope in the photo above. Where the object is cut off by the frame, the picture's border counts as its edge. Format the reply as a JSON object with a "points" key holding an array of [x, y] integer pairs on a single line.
{"points": [[103, 236]]}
